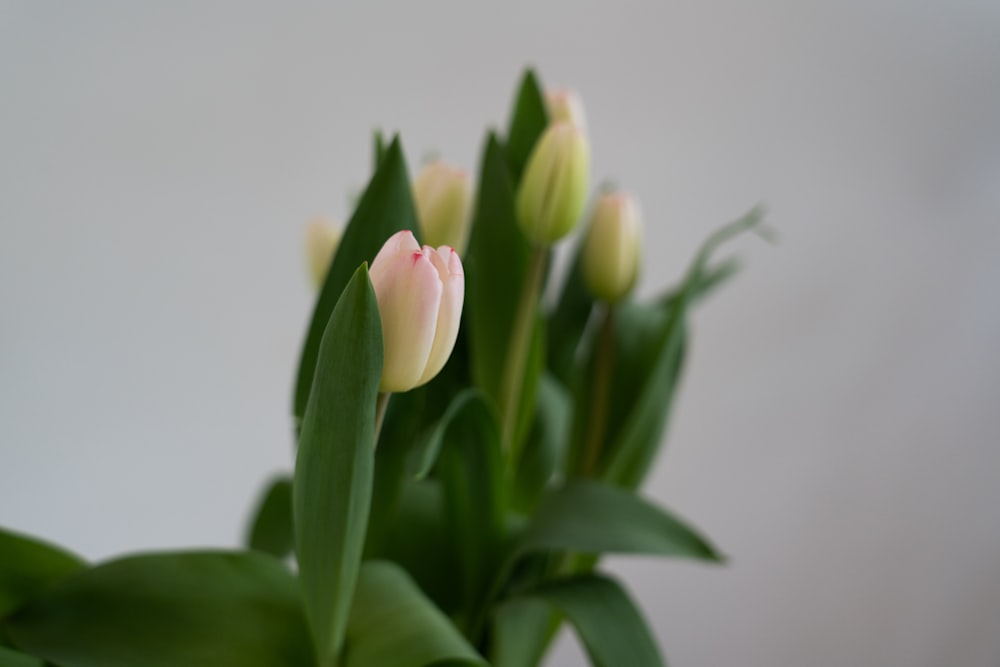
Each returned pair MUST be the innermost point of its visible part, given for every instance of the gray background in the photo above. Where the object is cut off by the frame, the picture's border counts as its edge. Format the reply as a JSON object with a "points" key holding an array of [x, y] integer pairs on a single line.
{"points": [[838, 431]]}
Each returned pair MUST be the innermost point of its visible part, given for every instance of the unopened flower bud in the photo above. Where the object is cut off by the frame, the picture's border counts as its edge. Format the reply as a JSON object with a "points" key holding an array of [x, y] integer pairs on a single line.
{"points": [[322, 239], [611, 251], [442, 196], [565, 106], [420, 293], [553, 188]]}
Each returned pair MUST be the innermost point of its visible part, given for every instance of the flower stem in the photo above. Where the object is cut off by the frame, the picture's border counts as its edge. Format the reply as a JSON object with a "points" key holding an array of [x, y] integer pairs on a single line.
{"points": [[381, 403], [600, 384], [512, 383]]}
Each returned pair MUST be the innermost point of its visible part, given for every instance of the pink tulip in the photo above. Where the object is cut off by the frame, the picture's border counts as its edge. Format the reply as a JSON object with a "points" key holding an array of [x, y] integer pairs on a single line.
{"points": [[420, 293]]}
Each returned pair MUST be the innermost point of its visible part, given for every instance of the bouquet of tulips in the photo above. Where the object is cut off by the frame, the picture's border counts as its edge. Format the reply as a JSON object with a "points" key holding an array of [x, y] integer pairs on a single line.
{"points": [[466, 449]]}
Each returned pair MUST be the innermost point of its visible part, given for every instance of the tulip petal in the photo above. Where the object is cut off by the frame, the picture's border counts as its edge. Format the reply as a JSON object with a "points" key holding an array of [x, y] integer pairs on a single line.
{"points": [[408, 289], [449, 267]]}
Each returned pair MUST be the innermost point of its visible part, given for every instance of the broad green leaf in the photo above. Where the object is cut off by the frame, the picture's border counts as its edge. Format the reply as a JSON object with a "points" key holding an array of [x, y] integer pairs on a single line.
{"points": [[495, 270], [528, 120], [471, 470], [421, 542], [271, 530], [29, 566], [198, 609], [404, 420], [593, 517], [424, 453], [607, 622], [522, 629], [545, 443], [386, 207], [394, 625], [11, 658], [633, 446], [331, 493]]}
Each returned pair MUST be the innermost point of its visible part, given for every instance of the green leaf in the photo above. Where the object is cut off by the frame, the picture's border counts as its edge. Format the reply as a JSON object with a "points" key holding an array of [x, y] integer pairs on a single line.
{"points": [[522, 630], [198, 609], [568, 322], [633, 446], [271, 530], [545, 444], [29, 566], [593, 517], [393, 625], [471, 471], [612, 630], [422, 543], [424, 453], [495, 271], [334, 467], [11, 658], [528, 121], [386, 207]]}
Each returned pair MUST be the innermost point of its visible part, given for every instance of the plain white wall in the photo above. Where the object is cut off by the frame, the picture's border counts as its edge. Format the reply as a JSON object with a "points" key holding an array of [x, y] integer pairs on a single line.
{"points": [[839, 431]]}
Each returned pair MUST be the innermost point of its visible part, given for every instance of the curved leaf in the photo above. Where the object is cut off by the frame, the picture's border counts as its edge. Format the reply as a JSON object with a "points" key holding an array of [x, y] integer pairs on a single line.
{"points": [[496, 267], [29, 566], [425, 452], [386, 207], [528, 121], [198, 609], [632, 448], [612, 630], [393, 625], [271, 530], [545, 445], [471, 472], [331, 493], [593, 517]]}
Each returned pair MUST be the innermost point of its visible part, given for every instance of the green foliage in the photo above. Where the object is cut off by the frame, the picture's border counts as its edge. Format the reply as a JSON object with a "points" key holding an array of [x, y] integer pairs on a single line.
{"points": [[335, 463], [607, 622], [28, 567], [593, 517], [394, 625], [528, 120], [271, 530], [198, 609], [11, 658]]}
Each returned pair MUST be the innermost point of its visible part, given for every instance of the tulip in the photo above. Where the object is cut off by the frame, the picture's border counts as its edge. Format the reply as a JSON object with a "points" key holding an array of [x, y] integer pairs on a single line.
{"points": [[554, 186], [322, 240], [565, 105], [611, 249], [420, 293], [443, 197]]}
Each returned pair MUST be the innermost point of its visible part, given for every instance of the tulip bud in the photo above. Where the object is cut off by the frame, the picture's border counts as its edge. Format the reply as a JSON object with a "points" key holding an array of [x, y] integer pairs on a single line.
{"points": [[322, 239], [565, 106], [611, 250], [420, 293], [554, 185], [442, 196]]}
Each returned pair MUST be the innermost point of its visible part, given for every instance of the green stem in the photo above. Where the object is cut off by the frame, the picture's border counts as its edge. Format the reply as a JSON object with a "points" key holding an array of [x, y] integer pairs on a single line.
{"points": [[600, 385], [381, 403], [512, 383]]}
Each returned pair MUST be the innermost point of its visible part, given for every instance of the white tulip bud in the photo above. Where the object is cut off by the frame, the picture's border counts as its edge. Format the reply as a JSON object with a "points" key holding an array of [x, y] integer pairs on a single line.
{"points": [[443, 197], [564, 105], [553, 189], [322, 240], [611, 251]]}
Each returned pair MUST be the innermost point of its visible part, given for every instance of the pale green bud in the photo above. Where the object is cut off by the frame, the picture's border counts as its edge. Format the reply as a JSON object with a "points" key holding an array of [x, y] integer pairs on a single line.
{"points": [[322, 240], [565, 106], [611, 251], [554, 185], [443, 197]]}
